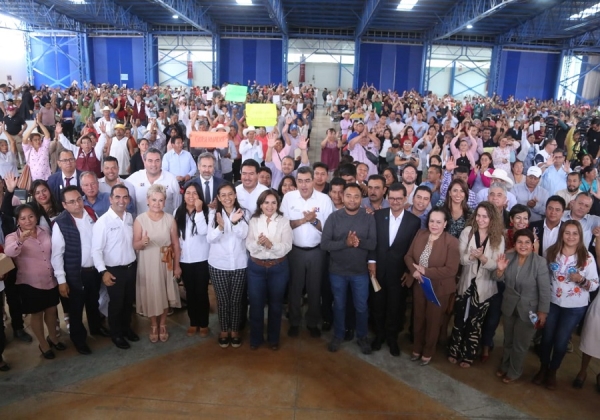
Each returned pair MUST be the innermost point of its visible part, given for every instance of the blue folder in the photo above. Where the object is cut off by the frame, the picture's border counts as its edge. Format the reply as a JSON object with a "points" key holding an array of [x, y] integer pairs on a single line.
{"points": [[428, 290]]}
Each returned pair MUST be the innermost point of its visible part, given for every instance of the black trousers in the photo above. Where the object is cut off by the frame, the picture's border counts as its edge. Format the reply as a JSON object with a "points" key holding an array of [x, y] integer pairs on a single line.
{"points": [[389, 308], [13, 300], [122, 296], [195, 279], [2, 334], [80, 298]]}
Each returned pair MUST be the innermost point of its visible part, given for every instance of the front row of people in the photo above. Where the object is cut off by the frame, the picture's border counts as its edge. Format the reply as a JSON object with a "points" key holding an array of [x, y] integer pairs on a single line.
{"points": [[247, 253]]}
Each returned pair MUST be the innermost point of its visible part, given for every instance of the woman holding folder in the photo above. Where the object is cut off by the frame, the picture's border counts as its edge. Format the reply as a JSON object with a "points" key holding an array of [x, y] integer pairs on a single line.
{"points": [[433, 254]]}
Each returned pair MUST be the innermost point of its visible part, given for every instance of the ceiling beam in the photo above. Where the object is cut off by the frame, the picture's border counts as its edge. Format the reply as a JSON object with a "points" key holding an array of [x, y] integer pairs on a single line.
{"points": [[112, 14], [277, 15], [190, 12], [463, 13], [369, 12], [554, 21], [38, 16]]}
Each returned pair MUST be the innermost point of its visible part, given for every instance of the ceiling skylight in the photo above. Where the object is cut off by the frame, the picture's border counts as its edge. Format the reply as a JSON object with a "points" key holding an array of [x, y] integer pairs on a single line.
{"points": [[590, 11], [406, 5]]}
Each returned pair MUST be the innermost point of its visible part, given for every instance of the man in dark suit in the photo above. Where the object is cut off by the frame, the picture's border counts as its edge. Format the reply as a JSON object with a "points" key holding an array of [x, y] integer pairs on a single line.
{"points": [[208, 182], [396, 229], [547, 228], [67, 176]]}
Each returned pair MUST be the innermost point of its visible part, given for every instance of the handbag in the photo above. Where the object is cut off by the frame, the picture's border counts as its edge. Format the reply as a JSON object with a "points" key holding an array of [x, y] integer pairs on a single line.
{"points": [[24, 181], [371, 156]]}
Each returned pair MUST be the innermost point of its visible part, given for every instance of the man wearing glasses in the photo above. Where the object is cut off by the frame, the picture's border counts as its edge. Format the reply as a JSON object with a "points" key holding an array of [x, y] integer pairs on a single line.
{"points": [[67, 176]]}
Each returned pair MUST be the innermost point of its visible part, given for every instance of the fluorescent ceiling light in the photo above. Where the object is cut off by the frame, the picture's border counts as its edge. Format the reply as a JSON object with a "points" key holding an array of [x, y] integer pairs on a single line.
{"points": [[469, 26], [175, 17], [406, 5], [586, 13], [79, 1], [244, 2]]}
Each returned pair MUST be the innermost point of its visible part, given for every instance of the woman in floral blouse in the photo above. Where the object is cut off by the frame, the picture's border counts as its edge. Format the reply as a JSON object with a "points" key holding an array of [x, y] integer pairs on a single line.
{"points": [[36, 151], [574, 275]]}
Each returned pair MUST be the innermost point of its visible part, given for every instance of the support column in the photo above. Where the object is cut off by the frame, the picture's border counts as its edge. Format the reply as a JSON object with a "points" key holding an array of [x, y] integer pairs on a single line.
{"points": [[495, 63], [28, 57], [424, 79], [150, 62], [355, 78], [216, 50], [285, 47], [84, 58], [565, 62]]}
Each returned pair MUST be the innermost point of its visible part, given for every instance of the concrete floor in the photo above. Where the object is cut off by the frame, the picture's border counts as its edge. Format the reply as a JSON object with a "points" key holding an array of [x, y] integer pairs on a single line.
{"points": [[193, 377]]}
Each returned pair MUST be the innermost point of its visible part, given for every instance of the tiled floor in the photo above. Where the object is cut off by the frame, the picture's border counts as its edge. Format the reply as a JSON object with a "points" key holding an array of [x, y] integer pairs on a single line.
{"points": [[194, 378]]}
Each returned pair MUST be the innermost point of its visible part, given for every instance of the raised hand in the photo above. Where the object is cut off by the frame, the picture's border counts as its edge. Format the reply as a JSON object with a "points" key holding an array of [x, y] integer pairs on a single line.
{"points": [[220, 221], [303, 143], [10, 181], [271, 139], [198, 205], [450, 164], [236, 216], [102, 127], [58, 129], [501, 262]]}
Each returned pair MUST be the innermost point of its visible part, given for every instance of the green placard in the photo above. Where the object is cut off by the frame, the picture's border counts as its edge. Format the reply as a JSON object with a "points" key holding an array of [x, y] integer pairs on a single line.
{"points": [[236, 93]]}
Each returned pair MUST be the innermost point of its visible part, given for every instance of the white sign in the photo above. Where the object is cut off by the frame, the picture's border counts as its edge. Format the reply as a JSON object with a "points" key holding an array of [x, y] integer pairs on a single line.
{"points": [[124, 77]]}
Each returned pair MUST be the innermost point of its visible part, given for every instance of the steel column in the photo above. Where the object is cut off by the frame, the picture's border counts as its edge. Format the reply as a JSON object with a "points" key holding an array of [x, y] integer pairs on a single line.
{"points": [[216, 52], [495, 63], [149, 61], [285, 49], [425, 67], [355, 79]]}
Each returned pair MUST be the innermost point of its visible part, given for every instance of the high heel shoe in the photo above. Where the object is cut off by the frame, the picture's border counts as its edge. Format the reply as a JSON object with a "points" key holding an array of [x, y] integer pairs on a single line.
{"points": [[56, 346], [163, 335], [425, 361], [153, 336], [414, 357], [47, 354]]}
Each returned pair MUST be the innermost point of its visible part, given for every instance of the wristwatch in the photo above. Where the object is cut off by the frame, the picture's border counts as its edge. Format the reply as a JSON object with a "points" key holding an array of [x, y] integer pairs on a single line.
{"points": [[315, 223]]}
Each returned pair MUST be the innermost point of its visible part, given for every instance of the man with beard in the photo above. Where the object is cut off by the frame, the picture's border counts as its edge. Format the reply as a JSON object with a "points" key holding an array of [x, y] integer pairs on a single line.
{"points": [[349, 234], [421, 204], [573, 184], [409, 178]]}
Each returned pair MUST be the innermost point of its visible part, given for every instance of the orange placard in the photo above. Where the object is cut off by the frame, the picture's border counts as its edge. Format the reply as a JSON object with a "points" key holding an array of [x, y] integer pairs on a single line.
{"points": [[208, 139]]}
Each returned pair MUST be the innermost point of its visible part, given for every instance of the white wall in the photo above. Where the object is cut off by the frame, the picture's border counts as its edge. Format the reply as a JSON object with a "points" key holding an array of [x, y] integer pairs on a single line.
{"points": [[173, 56], [591, 83], [323, 75], [14, 62]]}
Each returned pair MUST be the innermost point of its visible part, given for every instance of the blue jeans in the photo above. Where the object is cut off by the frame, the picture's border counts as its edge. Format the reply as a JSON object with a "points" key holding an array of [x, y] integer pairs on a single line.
{"points": [[359, 285], [266, 286], [560, 323]]}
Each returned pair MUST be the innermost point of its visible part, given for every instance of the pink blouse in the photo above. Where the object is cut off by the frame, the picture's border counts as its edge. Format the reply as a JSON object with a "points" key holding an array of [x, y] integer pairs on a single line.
{"points": [[32, 258], [38, 160]]}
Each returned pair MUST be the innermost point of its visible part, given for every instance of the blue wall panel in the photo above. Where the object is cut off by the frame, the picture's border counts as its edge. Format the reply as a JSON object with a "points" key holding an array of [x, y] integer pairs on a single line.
{"points": [[528, 74], [116, 56], [54, 60], [389, 66], [249, 59]]}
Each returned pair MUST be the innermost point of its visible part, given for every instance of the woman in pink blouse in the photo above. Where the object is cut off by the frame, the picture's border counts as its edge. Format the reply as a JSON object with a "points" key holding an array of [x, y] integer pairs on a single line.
{"points": [[31, 248], [37, 152], [574, 275]]}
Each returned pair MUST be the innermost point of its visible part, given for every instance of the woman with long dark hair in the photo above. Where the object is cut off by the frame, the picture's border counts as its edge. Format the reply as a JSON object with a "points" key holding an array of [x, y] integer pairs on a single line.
{"points": [[456, 204], [192, 229], [227, 261], [481, 242], [269, 241], [574, 275], [67, 119]]}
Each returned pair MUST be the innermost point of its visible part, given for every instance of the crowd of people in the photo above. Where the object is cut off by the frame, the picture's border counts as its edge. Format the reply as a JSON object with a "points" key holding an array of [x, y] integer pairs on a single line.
{"points": [[477, 211]]}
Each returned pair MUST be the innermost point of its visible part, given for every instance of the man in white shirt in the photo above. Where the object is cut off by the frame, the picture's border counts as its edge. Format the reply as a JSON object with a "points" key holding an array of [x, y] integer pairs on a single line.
{"points": [[179, 162], [110, 168], [249, 190], [78, 279], [143, 179], [396, 124], [307, 210], [251, 147], [114, 258]]}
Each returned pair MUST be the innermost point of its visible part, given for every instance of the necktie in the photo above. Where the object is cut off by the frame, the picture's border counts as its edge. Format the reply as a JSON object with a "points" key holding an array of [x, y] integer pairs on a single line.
{"points": [[68, 181], [206, 193]]}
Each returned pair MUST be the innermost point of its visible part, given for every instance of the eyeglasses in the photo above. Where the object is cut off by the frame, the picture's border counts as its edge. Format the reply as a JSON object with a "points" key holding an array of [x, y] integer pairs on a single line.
{"points": [[77, 200], [68, 160], [395, 198]]}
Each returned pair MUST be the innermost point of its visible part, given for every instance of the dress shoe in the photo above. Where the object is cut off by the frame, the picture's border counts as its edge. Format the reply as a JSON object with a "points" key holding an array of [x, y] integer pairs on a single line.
{"points": [[131, 336], [22, 335], [394, 349], [326, 326], [47, 354], [102, 332], [349, 335], [224, 342], [121, 343], [83, 349], [56, 346], [365, 346], [376, 344], [293, 331], [314, 332], [236, 342], [191, 331], [551, 379]]}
